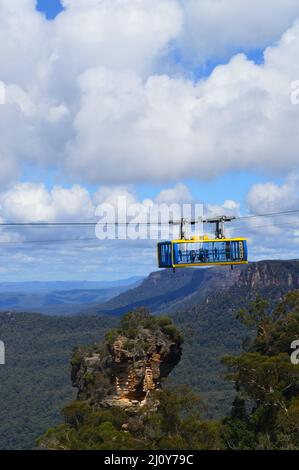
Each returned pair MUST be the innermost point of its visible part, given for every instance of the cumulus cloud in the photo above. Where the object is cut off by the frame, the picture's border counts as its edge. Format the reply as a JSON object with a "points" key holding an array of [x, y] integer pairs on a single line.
{"points": [[270, 197], [30, 251], [29, 202], [268, 237], [229, 207], [118, 34], [271, 237], [111, 195], [218, 28], [85, 93], [179, 194], [41, 63], [169, 128], [33, 203]]}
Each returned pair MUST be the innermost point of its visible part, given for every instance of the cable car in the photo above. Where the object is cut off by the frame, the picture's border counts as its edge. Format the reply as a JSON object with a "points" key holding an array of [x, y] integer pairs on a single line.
{"points": [[203, 251]]}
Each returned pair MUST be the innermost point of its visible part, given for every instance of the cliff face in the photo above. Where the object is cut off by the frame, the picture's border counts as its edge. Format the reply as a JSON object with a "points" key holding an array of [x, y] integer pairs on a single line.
{"points": [[164, 291], [284, 275], [129, 365]]}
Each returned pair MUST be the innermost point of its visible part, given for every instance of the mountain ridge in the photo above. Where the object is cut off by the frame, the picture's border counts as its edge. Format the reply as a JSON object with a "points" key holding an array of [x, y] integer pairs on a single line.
{"points": [[164, 291], [61, 297]]}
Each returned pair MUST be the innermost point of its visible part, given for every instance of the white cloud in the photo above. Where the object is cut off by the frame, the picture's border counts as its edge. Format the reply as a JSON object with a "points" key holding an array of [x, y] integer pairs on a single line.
{"points": [[121, 204], [29, 202], [271, 237], [41, 62], [92, 258], [218, 28], [270, 197], [119, 34], [85, 96], [33, 202], [229, 207], [111, 195], [180, 194], [168, 128]]}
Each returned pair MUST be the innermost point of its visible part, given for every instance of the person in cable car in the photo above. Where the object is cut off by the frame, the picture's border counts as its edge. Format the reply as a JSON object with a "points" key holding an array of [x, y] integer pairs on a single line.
{"points": [[207, 251]]}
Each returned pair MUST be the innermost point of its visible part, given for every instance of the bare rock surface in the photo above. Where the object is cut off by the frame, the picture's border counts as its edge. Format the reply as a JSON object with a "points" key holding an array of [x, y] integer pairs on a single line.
{"points": [[130, 364]]}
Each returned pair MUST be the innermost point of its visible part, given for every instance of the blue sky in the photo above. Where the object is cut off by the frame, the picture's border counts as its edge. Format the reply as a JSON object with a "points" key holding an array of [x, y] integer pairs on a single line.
{"points": [[168, 101], [51, 8]]}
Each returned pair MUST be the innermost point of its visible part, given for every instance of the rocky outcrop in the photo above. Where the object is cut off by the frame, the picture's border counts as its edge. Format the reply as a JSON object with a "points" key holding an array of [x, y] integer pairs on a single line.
{"points": [[283, 275], [125, 369]]}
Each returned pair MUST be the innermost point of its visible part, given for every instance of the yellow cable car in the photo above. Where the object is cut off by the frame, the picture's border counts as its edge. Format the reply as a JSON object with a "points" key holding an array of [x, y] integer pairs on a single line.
{"points": [[203, 251]]}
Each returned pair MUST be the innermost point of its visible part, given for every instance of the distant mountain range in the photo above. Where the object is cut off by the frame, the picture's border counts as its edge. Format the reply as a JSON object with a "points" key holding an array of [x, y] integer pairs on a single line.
{"points": [[50, 286], [60, 297], [162, 291]]}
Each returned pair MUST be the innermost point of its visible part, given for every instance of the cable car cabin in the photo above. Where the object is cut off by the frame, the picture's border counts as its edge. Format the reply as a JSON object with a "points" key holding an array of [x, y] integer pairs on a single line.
{"points": [[202, 252]]}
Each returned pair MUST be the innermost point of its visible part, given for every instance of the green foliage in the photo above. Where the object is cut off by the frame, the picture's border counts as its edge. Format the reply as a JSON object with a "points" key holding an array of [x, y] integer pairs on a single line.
{"points": [[267, 380], [257, 314], [134, 326], [111, 335], [133, 322], [173, 423], [178, 423], [74, 413], [86, 428], [35, 382]]}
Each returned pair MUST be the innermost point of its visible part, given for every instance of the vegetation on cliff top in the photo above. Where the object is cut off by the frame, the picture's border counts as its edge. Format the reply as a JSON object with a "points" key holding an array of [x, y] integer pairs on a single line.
{"points": [[134, 322]]}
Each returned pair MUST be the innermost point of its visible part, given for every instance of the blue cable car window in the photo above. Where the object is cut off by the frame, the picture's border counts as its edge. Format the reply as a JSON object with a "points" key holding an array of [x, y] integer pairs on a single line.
{"points": [[164, 254], [209, 252]]}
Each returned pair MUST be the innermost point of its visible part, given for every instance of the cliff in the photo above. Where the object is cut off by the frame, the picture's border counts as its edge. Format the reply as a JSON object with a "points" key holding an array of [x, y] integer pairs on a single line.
{"points": [[123, 370], [281, 274], [164, 291]]}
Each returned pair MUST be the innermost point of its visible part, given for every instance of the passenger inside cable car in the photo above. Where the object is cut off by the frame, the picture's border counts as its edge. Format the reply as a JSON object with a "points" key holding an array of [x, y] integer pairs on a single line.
{"points": [[202, 252]]}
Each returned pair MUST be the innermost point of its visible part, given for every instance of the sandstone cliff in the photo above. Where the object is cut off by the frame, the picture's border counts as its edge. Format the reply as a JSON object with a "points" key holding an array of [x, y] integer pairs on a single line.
{"points": [[131, 363], [164, 291]]}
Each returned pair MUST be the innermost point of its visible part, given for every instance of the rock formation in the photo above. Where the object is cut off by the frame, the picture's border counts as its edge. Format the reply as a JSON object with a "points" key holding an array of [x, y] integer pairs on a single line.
{"points": [[130, 364]]}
